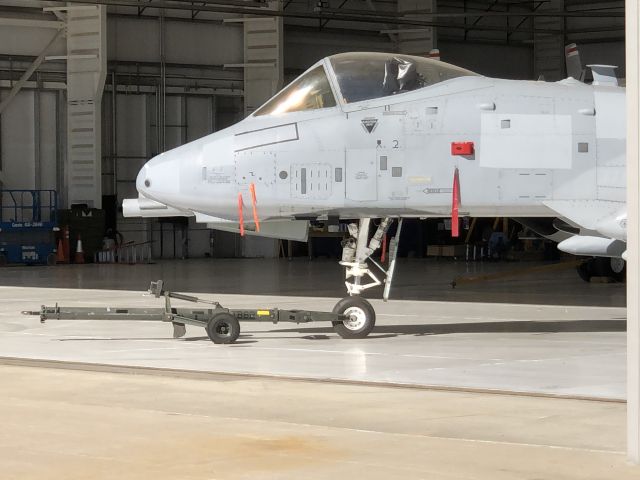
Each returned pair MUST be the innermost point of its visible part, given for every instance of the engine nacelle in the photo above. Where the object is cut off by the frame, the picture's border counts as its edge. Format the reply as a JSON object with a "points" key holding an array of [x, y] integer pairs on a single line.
{"points": [[593, 246]]}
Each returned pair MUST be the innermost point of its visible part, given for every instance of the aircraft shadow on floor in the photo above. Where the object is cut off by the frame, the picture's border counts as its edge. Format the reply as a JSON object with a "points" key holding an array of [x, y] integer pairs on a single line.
{"points": [[389, 331], [525, 326], [242, 341]]}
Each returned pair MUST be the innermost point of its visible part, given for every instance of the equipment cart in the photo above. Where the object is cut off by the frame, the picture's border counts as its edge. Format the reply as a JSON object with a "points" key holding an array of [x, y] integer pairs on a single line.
{"points": [[28, 224], [352, 317]]}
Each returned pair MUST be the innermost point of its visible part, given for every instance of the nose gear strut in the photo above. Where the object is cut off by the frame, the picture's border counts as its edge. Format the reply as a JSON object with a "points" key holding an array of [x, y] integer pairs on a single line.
{"points": [[357, 251]]}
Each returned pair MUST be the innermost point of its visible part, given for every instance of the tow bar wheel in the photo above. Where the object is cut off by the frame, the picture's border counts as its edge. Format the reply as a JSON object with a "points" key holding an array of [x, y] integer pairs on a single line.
{"points": [[223, 328], [362, 317]]}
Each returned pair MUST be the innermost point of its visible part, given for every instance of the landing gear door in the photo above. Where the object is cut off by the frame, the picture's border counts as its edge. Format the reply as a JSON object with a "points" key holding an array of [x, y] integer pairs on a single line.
{"points": [[361, 172]]}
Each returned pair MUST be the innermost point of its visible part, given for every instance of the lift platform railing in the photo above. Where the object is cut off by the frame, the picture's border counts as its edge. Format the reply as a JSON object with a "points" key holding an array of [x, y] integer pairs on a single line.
{"points": [[28, 208]]}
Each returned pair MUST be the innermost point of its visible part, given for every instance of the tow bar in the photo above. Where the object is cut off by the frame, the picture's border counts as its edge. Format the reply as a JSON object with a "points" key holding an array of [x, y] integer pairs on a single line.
{"points": [[222, 324]]}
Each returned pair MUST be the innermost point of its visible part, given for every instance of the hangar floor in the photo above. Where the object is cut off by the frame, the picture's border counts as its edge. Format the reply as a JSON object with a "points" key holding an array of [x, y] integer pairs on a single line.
{"points": [[562, 348], [63, 424], [415, 279], [429, 394]]}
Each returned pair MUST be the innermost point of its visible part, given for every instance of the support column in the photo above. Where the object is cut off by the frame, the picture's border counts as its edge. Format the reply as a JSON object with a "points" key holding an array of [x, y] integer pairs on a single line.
{"points": [[548, 49], [633, 230], [61, 134], [162, 87], [86, 71], [263, 65], [421, 41], [37, 141], [213, 110]]}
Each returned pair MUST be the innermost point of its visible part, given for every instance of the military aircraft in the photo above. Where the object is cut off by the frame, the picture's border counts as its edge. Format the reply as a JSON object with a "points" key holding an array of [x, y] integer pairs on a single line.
{"points": [[384, 136]]}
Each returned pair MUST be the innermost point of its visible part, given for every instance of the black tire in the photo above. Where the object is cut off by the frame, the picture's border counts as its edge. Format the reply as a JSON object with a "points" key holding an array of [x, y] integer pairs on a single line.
{"points": [[362, 321], [614, 268], [618, 269], [223, 328], [585, 270], [3, 260], [601, 267]]}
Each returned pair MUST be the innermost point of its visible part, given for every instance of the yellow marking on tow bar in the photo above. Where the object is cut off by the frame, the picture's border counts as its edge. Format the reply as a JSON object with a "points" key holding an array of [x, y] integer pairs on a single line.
{"points": [[262, 313]]}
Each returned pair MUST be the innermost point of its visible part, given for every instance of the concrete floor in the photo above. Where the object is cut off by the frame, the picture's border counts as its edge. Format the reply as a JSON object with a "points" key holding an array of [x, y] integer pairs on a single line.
{"points": [[65, 424], [550, 349], [547, 333]]}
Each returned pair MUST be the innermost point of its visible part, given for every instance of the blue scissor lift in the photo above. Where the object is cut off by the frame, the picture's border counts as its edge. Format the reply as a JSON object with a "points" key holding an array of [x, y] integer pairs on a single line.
{"points": [[28, 222]]}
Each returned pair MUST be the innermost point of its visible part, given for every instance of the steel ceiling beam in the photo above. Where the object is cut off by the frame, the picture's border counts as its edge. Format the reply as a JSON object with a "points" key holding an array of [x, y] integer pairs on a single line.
{"points": [[489, 13], [172, 5], [27, 74]]}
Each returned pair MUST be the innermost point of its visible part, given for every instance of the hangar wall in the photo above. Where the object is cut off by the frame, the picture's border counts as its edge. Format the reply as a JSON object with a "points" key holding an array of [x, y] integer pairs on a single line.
{"points": [[201, 94], [18, 141], [135, 45], [28, 127], [188, 117]]}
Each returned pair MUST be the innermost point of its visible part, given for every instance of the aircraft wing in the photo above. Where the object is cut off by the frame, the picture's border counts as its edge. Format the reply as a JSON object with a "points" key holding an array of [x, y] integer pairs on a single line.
{"points": [[585, 214], [602, 227]]}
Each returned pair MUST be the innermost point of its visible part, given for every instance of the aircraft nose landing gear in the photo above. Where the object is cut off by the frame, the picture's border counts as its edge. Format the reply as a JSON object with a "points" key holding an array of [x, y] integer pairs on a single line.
{"points": [[356, 254], [357, 251]]}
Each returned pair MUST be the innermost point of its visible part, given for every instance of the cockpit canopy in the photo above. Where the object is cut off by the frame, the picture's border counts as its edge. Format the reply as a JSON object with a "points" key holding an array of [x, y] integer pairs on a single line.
{"points": [[360, 76], [310, 91], [365, 76]]}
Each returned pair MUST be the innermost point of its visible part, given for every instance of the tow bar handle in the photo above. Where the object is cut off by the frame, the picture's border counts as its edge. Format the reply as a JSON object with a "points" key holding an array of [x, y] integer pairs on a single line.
{"points": [[156, 289]]}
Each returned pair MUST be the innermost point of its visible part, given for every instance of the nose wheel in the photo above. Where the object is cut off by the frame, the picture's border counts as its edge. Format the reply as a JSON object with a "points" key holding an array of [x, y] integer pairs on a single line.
{"points": [[361, 317]]}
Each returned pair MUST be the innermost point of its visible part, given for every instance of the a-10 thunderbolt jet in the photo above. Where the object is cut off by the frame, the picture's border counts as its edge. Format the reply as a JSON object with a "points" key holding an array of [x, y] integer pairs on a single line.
{"points": [[368, 136]]}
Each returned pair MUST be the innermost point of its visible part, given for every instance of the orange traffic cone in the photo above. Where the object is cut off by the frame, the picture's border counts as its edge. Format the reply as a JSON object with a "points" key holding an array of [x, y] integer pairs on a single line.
{"points": [[79, 257], [60, 253]]}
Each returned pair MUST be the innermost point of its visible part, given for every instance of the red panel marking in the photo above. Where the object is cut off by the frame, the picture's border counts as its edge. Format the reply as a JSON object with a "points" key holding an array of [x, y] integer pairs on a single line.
{"points": [[240, 214], [252, 189], [462, 148], [383, 255]]}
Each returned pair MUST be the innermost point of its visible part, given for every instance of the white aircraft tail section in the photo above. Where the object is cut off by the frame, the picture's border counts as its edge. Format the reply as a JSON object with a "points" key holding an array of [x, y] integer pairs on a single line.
{"points": [[573, 62], [434, 54]]}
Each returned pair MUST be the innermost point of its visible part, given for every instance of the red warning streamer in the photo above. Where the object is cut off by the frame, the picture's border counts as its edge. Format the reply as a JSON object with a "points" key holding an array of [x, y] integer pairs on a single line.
{"points": [[383, 255], [252, 189], [455, 202], [240, 214]]}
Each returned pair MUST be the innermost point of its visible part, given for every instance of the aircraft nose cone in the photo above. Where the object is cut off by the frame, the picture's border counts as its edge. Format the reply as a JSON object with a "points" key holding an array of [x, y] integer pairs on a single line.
{"points": [[159, 179]]}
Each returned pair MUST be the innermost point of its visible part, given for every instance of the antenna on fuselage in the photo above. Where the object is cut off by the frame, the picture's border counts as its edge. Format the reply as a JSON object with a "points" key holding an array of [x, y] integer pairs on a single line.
{"points": [[604, 75]]}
